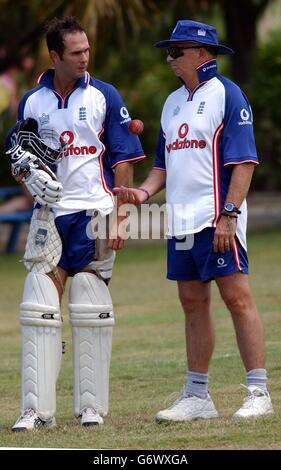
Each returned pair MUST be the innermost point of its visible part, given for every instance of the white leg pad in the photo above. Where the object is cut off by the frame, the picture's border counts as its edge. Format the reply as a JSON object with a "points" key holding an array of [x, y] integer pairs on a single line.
{"points": [[41, 344], [92, 318]]}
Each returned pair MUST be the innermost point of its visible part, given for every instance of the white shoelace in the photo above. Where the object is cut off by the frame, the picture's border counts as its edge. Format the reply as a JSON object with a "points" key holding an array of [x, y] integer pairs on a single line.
{"points": [[91, 411], [27, 414], [251, 395], [177, 398]]}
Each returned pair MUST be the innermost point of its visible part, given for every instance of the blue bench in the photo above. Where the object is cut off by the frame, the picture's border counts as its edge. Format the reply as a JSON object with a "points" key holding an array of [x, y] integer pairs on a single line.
{"points": [[15, 219]]}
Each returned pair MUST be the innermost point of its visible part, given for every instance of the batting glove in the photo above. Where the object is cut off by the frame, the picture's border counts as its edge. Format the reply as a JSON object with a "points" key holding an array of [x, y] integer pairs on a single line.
{"points": [[44, 189]]}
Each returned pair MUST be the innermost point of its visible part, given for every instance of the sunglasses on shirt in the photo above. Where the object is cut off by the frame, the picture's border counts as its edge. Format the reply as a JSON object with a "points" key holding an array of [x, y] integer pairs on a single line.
{"points": [[176, 52]]}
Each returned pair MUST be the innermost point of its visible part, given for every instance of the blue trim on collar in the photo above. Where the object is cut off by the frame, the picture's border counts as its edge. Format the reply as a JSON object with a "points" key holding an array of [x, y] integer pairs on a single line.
{"points": [[67, 98], [207, 70], [47, 80], [191, 93], [59, 98], [83, 82]]}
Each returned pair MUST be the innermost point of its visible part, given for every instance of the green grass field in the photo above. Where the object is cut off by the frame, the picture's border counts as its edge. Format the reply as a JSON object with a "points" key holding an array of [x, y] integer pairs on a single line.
{"points": [[148, 360]]}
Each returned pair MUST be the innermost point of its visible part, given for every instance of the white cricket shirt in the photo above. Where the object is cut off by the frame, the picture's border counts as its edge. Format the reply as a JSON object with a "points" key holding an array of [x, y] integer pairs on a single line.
{"points": [[93, 120], [203, 134]]}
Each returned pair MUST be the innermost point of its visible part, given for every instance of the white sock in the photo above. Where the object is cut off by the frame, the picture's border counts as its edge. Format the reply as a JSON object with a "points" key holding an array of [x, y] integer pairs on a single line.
{"points": [[257, 377], [196, 384]]}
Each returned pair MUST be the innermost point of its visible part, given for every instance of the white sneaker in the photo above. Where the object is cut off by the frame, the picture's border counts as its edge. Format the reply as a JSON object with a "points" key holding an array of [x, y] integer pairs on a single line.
{"points": [[30, 421], [90, 417], [188, 408], [256, 403]]}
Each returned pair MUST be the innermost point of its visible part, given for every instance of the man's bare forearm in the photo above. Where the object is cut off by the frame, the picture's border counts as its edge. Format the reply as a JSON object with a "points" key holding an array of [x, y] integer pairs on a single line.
{"points": [[238, 189], [124, 174], [155, 181], [240, 182]]}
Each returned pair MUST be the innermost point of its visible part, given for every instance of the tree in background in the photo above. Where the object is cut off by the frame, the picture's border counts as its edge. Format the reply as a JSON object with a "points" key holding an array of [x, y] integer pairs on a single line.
{"points": [[122, 34], [241, 19], [22, 25], [26, 18], [265, 95], [237, 23]]}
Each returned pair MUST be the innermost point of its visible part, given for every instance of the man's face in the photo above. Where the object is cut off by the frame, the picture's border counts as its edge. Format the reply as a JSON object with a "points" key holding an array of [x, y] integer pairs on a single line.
{"points": [[187, 62], [75, 59]]}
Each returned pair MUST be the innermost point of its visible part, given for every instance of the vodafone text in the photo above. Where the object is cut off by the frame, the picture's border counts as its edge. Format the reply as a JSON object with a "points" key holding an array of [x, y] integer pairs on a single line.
{"points": [[68, 138], [185, 143]]}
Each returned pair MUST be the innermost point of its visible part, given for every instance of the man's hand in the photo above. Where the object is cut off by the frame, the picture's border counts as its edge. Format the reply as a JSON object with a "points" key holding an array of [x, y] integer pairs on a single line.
{"points": [[44, 189], [116, 240], [225, 234], [118, 230], [125, 196], [131, 195]]}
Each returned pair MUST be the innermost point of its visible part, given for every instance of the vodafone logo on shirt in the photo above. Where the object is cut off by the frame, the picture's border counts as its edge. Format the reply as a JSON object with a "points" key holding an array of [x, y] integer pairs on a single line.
{"points": [[68, 138], [183, 130], [183, 142]]}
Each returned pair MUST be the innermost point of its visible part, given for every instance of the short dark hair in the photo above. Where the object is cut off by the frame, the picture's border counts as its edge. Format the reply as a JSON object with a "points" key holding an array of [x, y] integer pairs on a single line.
{"points": [[56, 29]]}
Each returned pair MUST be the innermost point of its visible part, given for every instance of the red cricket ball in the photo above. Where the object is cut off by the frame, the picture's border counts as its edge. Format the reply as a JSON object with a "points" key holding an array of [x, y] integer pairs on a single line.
{"points": [[136, 126]]}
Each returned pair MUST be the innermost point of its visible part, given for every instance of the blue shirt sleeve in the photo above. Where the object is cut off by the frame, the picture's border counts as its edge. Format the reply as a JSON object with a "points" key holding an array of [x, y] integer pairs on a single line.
{"points": [[160, 151], [238, 142], [121, 145], [21, 108], [9, 139], [23, 101]]}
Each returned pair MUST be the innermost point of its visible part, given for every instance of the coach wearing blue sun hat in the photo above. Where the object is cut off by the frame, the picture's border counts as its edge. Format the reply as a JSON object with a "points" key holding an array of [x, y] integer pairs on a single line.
{"points": [[205, 159], [187, 30]]}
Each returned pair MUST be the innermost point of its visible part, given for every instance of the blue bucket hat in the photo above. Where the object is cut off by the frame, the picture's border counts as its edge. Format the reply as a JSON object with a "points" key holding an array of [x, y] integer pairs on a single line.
{"points": [[187, 30]]}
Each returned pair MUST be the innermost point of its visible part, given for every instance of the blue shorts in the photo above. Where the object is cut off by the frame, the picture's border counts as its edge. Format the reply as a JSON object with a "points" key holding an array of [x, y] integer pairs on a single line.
{"points": [[192, 257], [77, 248]]}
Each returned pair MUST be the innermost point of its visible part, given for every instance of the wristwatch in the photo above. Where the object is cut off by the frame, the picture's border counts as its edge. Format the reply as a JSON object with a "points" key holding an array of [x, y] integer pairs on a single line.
{"points": [[230, 207]]}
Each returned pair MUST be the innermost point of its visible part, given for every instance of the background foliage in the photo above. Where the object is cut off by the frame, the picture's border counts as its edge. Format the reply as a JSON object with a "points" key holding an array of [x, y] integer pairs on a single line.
{"points": [[122, 34]]}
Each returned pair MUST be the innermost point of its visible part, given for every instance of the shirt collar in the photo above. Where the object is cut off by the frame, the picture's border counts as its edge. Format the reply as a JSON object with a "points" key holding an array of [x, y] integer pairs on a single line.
{"points": [[207, 70], [47, 79]]}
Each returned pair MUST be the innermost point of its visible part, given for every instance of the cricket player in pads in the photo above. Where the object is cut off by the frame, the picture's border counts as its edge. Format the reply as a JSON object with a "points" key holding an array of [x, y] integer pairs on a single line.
{"points": [[94, 151]]}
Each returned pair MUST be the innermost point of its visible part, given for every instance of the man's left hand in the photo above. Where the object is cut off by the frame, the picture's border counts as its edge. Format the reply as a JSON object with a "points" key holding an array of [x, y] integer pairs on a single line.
{"points": [[225, 234], [117, 233]]}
